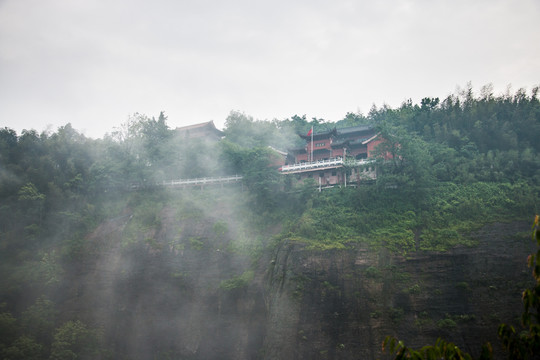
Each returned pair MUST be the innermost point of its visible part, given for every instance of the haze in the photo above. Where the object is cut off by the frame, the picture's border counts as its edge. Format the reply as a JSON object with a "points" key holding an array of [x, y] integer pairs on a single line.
{"points": [[94, 63]]}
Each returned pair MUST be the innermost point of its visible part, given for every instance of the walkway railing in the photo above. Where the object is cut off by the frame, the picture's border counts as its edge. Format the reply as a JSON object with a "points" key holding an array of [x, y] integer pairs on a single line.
{"points": [[323, 164], [202, 181]]}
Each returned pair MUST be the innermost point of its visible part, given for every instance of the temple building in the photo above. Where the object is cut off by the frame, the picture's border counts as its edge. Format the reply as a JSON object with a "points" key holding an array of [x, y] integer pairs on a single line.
{"points": [[335, 157], [206, 130], [357, 141], [332, 157]]}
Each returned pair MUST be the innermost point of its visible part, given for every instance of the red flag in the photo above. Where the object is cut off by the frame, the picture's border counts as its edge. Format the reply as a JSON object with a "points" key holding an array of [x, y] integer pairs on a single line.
{"points": [[309, 132]]}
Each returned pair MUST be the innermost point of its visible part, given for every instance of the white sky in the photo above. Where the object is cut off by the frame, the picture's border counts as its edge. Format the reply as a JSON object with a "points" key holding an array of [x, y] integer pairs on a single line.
{"points": [[95, 62]]}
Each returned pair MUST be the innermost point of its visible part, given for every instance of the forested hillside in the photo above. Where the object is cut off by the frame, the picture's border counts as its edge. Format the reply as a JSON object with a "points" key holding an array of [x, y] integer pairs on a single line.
{"points": [[99, 261]]}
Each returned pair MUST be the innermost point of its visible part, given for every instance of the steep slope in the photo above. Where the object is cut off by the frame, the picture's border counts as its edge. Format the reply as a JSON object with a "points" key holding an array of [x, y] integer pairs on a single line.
{"points": [[181, 292], [192, 275], [177, 289], [341, 304]]}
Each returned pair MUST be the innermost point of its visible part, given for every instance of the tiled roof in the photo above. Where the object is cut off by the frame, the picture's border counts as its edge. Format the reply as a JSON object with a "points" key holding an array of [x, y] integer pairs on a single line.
{"points": [[195, 126], [353, 129], [200, 128]]}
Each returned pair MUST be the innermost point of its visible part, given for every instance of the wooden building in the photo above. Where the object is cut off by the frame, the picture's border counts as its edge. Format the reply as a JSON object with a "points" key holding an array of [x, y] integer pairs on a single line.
{"points": [[207, 131], [358, 142], [336, 156]]}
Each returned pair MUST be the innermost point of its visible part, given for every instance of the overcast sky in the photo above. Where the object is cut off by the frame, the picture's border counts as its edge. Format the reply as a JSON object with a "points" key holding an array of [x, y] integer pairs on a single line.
{"points": [[94, 62]]}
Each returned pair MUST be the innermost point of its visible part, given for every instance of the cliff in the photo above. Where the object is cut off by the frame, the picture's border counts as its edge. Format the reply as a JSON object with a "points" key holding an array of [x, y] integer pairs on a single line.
{"points": [[342, 304], [189, 287]]}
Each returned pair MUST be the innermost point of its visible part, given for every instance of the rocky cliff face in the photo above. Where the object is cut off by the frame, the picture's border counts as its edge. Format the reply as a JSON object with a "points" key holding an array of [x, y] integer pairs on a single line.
{"points": [[181, 290], [342, 304]]}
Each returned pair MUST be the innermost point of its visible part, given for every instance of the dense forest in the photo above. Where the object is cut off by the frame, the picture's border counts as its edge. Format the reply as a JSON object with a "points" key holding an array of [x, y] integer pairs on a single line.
{"points": [[458, 164]]}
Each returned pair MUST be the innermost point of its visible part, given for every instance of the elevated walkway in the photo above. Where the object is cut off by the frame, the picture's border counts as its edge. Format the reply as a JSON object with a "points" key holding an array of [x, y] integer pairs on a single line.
{"points": [[202, 181], [322, 165]]}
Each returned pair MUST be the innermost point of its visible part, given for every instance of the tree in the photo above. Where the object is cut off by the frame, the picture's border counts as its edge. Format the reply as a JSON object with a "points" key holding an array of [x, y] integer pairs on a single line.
{"points": [[404, 160], [8, 328], [8, 144], [38, 320], [352, 119], [75, 340], [127, 150], [255, 165], [30, 195], [240, 129], [24, 348], [155, 134]]}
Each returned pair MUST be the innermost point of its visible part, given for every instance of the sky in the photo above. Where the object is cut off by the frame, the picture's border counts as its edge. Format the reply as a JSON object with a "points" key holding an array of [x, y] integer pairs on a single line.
{"points": [[95, 63]]}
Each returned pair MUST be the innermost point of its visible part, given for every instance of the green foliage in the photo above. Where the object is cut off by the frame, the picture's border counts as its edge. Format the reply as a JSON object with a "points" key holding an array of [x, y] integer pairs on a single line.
{"points": [[24, 348], [414, 290], [248, 244], [74, 340], [51, 270], [397, 238], [220, 228], [237, 282], [38, 320], [396, 314], [387, 217], [409, 165], [29, 192], [373, 272], [262, 180], [441, 350], [470, 138], [196, 243], [446, 324], [8, 328]]}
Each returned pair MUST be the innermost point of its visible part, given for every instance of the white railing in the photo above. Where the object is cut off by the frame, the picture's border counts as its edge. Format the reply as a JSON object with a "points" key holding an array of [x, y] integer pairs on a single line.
{"points": [[312, 165], [358, 162], [321, 164], [202, 181]]}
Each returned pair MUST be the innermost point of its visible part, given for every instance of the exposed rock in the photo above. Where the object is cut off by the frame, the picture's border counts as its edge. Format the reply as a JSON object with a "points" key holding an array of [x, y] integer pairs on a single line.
{"points": [[342, 304]]}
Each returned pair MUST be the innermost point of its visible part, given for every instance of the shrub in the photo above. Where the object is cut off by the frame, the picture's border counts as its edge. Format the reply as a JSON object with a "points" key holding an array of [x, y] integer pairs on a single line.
{"points": [[447, 324], [372, 272], [237, 282]]}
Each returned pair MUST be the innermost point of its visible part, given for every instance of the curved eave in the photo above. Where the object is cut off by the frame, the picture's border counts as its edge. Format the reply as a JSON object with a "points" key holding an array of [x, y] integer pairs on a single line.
{"points": [[370, 139], [340, 144], [297, 151], [320, 136]]}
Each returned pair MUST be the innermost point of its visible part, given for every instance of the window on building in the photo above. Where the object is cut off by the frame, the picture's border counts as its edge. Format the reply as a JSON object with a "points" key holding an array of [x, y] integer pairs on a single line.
{"points": [[334, 173]]}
